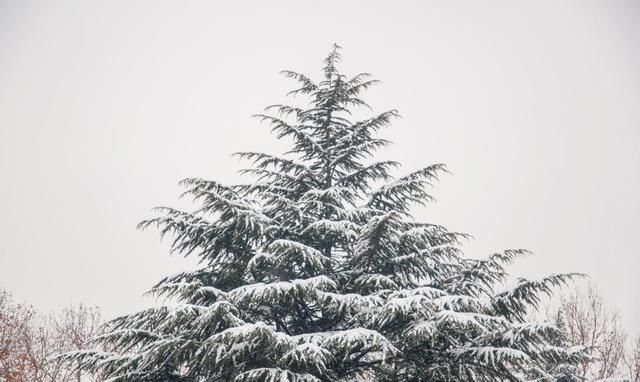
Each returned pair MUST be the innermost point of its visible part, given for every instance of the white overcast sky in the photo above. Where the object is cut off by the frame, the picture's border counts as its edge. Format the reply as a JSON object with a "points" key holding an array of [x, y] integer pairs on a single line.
{"points": [[105, 105]]}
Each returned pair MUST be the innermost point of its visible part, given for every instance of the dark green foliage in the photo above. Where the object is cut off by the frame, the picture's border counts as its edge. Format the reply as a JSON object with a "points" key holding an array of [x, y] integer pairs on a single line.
{"points": [[318, 272]]}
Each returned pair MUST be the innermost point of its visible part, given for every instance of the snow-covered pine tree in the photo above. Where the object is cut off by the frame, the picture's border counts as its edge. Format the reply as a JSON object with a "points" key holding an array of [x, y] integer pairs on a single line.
{"points": [[315, 272]]}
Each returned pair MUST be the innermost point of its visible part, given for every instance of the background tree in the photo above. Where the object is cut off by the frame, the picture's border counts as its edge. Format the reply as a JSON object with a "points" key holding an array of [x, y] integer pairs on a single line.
{"points": [[72, 329], [632, 361], [15, 327], [30, 342], [585, 319], [317, 271]]}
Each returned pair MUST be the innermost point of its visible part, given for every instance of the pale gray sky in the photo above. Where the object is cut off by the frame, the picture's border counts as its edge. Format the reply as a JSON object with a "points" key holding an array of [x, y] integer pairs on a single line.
{"points": [[105, 105]]}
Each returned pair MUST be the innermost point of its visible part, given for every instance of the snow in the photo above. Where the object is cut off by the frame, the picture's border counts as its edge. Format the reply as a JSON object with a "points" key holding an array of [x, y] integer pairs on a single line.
{"points": [[376, 281], [422, 330], [284, 252], [462, 302], [425, 291], [491, 355], [402, 307], [274, 375], [344, 228], [359, 338], [278, 291], [351, 301], [306, 355], [477, 320]]}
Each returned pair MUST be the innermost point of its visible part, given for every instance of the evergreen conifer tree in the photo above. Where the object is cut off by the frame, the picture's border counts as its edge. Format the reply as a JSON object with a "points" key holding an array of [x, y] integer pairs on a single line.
{"points": [[317, 271]]}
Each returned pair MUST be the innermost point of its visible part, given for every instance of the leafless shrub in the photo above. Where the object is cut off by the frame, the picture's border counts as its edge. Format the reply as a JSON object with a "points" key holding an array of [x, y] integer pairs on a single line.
{"points": [[586, 320], [29, 342]]}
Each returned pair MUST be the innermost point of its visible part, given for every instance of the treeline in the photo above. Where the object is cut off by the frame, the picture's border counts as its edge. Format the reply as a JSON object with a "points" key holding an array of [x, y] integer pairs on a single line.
{"points": [[30, 340]]}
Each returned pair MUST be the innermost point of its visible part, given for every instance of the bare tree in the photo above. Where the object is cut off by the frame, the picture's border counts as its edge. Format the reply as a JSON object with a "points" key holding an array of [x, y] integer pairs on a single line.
{"points": [[632, 361], [75, 327], [586, 320], [15, 325], [29, 342]]}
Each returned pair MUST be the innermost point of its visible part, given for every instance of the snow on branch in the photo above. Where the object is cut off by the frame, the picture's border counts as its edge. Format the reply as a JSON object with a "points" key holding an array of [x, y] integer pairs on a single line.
{"points": [[399, 194], [283, 292], [274, 375]]}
